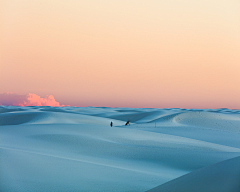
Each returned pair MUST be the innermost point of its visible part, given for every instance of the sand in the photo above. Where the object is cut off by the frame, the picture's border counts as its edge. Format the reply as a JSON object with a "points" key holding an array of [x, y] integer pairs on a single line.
{"points": [[75, 149]]}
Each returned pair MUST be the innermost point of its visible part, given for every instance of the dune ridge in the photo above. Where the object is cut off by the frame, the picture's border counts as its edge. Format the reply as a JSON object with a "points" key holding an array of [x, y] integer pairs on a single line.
{"points": [[220, 177]]}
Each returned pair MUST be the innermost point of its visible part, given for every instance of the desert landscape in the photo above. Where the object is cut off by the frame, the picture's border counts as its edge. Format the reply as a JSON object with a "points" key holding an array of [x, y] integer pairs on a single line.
{"points": [[119, 96], [75, 149]]}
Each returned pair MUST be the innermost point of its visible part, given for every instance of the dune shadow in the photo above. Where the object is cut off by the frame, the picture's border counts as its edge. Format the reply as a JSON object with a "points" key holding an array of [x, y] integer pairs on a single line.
{"points": [[219, 177], [18, 118]]}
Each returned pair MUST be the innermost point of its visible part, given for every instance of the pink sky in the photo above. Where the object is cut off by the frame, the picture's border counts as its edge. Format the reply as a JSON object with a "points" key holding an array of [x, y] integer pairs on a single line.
{"points": [[129, 53]]}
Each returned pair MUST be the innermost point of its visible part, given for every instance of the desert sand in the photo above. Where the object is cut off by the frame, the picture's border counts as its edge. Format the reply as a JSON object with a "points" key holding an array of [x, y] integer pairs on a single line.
{"points": [[76, 149]]}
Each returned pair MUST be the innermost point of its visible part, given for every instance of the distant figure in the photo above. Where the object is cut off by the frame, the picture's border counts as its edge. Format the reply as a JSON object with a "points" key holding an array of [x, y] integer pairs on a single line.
{"points": [[128, 123], [111, 124]]}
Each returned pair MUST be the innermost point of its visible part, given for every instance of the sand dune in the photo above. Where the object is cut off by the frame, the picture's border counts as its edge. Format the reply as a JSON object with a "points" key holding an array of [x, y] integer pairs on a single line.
{"points": [[210, 120], [220, 177], [75, 149], [19, 117]]}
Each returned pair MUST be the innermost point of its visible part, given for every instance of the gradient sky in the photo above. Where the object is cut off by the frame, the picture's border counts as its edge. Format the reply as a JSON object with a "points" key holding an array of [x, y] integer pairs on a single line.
{"points": [[128, 53]]}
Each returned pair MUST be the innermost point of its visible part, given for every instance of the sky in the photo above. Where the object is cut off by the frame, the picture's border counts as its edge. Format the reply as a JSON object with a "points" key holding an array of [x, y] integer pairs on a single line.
{"points": [[128, 53]]}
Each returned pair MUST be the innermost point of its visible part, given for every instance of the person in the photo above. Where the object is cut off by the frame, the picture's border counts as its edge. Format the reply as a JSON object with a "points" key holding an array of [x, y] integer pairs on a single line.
{"points": [[111, 124], [128, 123]]}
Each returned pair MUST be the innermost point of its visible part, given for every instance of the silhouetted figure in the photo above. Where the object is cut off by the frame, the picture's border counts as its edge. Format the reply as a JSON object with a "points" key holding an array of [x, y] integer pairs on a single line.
{"points": [[111, 124], [128, 123]]}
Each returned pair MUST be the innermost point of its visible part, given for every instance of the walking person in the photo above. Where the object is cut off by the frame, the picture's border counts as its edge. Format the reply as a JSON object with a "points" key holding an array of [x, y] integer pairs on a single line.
{"points": [[111, 124]]}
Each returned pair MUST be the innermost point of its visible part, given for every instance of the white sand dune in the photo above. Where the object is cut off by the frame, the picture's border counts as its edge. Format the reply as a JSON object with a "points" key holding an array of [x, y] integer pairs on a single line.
{"points": [[16, 118], [229, 122], [220, 177], [75, 149]]}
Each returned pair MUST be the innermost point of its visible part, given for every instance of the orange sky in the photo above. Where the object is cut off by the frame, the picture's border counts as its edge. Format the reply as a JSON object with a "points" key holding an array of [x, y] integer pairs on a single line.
{"points": [[128, 53]]}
